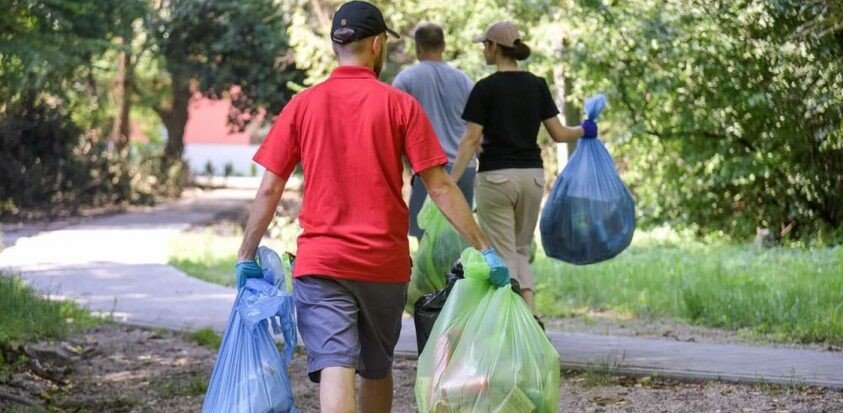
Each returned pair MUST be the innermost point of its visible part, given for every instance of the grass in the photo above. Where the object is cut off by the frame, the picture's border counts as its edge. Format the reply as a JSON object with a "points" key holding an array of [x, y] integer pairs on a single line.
{"points": [[211, 257], [206, 337], [25, 316], [602, 372], [183, 386], [787, 294]]}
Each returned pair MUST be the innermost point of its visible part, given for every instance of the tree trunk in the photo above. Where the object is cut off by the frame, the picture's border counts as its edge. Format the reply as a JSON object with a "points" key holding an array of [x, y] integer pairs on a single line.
{"points": [[570, 112], [176, 119], [123, 97]]}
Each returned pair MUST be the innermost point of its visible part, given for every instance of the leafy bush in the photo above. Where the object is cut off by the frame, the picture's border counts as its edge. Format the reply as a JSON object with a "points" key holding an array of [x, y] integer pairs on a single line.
{"points": [[45, 162], [49, 167], [731, 112]]}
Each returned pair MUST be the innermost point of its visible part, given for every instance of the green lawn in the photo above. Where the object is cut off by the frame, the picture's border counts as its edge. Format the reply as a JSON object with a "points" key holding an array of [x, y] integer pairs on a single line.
{"points": [[211, 257], [791, 294], [788, 294], [25, 316]]}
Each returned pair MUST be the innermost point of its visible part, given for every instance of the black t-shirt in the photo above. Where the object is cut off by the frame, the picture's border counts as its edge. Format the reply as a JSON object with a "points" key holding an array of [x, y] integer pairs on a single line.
{"points": [[511, 106]]}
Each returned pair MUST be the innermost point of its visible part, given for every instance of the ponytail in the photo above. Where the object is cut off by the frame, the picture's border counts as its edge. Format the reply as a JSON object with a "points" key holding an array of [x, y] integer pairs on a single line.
{"points": [[519, 51]]}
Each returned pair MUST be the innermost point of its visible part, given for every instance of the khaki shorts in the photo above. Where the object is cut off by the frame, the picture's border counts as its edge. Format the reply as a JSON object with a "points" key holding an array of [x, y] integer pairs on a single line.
{"points": [[508, 205]]}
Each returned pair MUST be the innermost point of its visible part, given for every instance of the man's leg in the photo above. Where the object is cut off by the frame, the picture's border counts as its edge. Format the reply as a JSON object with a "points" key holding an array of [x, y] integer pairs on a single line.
{"points": [[336, 390], [327, 316], [376, 395], [379, 324]]}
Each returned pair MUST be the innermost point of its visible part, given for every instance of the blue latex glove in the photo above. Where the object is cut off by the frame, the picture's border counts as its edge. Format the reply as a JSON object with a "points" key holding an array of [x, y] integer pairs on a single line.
{"points": [[589, 129], [245, 270], [498, 272]]}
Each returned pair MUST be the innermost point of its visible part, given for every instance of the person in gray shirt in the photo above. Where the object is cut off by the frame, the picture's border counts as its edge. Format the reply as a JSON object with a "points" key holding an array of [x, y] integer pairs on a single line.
{"points": [[442, 91]]}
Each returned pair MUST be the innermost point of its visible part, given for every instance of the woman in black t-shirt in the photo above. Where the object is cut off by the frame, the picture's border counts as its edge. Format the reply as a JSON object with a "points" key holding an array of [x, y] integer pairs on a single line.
{"points": [[504, 112]]}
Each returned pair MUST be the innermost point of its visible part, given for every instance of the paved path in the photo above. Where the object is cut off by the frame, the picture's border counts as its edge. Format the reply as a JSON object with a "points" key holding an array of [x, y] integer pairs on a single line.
{"points": [[117, 265], [682, 360]]}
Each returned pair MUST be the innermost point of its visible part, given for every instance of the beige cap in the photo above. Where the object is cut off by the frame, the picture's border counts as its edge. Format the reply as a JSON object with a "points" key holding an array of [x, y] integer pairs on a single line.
{"points": [[503, 33]]}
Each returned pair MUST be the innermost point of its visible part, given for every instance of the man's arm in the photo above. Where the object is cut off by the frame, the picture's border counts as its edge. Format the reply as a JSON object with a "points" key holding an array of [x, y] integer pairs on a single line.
{"points": [[261, 214], [468, 147], [453, 205], [560, 133]]}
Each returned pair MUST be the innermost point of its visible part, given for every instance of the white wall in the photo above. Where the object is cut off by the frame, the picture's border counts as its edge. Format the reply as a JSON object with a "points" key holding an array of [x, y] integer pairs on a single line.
{"points": [[240, 156]]}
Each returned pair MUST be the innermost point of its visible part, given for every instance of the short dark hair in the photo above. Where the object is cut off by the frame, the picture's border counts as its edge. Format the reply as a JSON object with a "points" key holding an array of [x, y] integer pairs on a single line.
{"points": [[350, 49], [429, 36]]}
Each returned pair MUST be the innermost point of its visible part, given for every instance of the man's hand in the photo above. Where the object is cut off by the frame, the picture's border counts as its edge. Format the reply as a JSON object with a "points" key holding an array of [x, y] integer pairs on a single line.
{"points": [[245, 270], [498, 272]]}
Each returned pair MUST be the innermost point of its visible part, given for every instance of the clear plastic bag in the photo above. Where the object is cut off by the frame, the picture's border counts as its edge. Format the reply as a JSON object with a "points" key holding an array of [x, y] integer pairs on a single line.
{"points": [[590, 214], [439, 249], [250, 375], [486, 352]]}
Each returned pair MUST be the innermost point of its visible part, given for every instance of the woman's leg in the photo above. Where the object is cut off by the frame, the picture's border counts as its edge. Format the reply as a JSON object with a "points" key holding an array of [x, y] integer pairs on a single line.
{"points": [[495, 194], [531, 190]]}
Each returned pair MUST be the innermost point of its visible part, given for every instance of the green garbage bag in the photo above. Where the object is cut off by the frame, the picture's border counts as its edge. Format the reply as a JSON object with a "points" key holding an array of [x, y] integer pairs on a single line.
{"points": [[486, 353], [439, 249]]}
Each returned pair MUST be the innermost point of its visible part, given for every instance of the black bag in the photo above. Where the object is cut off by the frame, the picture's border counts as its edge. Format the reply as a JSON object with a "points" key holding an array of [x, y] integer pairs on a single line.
{"points": [[428, 306]]}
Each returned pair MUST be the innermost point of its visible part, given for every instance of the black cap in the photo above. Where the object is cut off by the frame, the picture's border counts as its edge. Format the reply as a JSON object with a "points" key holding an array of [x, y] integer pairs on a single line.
{"points": [[357, 20]]}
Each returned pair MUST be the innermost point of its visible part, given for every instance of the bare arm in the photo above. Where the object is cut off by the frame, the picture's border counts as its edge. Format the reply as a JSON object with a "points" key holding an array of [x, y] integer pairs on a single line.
{"points": [[453, 205], [261, 214], [469, 144], [560, 133]]}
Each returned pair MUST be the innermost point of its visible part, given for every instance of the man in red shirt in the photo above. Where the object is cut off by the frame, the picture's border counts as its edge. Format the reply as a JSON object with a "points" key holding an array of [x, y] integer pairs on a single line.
{"points": [[353, 263]]}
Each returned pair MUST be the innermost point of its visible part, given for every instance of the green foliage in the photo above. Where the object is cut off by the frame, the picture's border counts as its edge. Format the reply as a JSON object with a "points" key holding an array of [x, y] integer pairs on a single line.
{"points": [[790, 294], [229, 48], [724, 115], [45, 162], [45, 43], [56, 112], [28, 317], [730, 112], [49, 167], [461, 20]]}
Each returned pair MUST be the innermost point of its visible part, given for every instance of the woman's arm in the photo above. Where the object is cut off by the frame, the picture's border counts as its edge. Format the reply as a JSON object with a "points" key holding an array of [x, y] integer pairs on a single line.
{"points": [[468, 147], [560, 133]]}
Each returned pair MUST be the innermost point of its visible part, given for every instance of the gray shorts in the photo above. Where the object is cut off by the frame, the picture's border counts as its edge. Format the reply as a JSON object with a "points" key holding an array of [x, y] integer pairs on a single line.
{"points": [[346, 323]]}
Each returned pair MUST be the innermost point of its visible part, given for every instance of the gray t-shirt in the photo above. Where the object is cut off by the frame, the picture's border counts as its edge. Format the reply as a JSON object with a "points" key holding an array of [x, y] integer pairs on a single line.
{"points": [[442, 92]]}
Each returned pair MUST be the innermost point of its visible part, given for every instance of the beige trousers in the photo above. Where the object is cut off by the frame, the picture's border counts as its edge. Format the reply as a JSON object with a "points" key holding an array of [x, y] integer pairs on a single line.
{"points": [[508, 204]]}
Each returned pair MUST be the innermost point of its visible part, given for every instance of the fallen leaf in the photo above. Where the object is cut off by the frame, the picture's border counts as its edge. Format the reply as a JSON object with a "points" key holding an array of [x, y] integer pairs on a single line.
{"points": [[607, 400]]}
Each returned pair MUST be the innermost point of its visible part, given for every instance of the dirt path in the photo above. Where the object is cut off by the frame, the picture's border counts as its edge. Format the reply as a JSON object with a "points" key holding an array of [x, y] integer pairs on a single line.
{"points": [[118, 368]]}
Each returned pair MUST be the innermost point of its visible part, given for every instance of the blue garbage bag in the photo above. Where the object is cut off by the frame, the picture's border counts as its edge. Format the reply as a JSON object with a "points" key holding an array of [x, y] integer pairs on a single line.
{"points": [[590, 214], [250, 375]]}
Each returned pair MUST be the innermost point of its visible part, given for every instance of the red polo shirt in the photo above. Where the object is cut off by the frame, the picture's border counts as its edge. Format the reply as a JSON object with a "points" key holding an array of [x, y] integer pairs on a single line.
{"points": [[350, 133]]}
